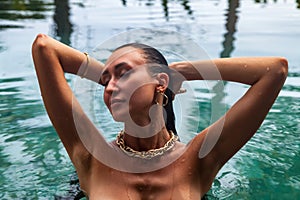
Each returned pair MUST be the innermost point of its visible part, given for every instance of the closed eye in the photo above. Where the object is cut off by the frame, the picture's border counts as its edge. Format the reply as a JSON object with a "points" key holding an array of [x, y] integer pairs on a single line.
{"points": [[104, 80], [120, 70], [124, 74]]}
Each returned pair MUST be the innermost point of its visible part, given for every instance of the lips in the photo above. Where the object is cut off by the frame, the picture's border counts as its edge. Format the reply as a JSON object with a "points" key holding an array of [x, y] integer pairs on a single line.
{"points": [[116, 101]]}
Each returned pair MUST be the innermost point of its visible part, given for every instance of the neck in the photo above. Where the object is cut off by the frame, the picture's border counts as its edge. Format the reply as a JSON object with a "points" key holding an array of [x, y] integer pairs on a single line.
{"points": [[146, 131], [144, 144]]}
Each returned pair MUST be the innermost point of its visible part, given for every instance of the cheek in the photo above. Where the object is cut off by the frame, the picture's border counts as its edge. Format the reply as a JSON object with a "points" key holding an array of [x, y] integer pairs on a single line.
{"points": [[142, 97]]}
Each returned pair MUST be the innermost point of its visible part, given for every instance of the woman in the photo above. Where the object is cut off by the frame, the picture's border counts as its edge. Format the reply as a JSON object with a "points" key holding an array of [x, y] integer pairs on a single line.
{"points": [[184, 174]]}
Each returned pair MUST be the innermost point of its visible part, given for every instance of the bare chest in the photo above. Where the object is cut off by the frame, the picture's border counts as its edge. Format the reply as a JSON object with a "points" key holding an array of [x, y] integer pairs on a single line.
{"points": [[172, 182]]}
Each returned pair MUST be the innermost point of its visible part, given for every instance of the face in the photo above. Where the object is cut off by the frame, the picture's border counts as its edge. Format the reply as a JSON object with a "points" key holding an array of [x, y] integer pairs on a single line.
{"points": [[129, 88]]}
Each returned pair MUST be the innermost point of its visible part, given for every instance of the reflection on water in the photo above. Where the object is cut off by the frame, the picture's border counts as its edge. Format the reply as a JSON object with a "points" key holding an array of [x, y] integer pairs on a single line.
{"points": [[184, 3], [19, 10], [63, 28], [34, 164], [23, 159], [266, 2], [273, 152], [231, 20]]}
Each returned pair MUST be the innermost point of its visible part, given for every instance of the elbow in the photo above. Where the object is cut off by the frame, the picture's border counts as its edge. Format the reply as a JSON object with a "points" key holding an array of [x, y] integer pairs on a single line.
{"points": [[281, 69], [40, 44], [284, 66]]}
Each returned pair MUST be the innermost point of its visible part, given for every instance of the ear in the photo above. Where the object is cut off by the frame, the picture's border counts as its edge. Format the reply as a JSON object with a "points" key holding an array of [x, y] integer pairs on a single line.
{"points": [[163, 80]]}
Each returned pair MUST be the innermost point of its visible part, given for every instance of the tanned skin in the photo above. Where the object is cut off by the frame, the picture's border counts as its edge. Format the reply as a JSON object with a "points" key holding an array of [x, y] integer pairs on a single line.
{"points": [[189, 177]]}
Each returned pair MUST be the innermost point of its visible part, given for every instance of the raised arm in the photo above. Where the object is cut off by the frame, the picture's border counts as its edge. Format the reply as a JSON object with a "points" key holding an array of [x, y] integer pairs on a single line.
{"points": [[266, 77], [52, 59]]}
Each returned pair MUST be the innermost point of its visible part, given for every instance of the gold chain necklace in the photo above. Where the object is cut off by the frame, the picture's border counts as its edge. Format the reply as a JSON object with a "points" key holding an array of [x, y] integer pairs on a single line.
{"points": [[145, 154]]}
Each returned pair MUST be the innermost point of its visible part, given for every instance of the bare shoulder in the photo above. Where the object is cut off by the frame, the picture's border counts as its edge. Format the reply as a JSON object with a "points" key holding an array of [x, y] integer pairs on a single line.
{"points": [[200, 161]]}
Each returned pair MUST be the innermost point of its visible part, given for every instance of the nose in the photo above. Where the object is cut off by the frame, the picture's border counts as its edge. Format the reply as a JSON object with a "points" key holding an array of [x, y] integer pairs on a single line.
{"points": [[112, 85]]}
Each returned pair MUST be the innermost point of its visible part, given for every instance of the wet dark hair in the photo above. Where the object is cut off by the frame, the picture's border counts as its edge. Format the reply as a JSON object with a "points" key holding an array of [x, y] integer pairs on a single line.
{"points": [[158, 64]]}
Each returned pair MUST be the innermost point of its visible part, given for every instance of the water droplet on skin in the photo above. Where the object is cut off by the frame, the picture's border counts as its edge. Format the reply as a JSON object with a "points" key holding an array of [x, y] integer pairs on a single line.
{"points": [[190, 171], [268, 68], [183, 160]]}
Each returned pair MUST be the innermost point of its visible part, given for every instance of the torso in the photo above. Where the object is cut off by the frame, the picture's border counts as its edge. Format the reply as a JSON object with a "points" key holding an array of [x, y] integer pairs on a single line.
{"points": [[178, 181]]}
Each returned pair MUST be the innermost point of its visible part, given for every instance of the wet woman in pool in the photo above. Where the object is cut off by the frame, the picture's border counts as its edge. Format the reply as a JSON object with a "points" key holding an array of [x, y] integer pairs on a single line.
{"points": [[136, 80]]}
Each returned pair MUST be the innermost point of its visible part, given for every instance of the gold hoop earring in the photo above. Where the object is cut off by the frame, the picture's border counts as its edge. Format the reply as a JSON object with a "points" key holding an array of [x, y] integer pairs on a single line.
{"points": [[165, 99]]}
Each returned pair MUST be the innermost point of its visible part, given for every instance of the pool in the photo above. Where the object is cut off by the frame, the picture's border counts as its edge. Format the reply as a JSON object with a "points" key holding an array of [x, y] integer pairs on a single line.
{"points": [[33, 162]]}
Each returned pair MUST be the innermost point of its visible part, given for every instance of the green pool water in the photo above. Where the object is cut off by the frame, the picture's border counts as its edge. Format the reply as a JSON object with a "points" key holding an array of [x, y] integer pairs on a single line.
{"points": [[33, 162]]}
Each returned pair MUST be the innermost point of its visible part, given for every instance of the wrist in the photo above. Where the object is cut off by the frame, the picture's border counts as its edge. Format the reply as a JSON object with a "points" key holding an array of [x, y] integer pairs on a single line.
{"points": [[185, 69], [90, 69]]}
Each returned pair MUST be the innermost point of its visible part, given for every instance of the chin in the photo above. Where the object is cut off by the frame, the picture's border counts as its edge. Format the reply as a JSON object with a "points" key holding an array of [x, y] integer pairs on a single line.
{"points": [[118, 119], [118, 116]]}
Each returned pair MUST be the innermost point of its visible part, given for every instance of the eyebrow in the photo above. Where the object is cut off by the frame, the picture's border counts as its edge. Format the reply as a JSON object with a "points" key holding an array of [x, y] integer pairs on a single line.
{"points": [[116, 67]]}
